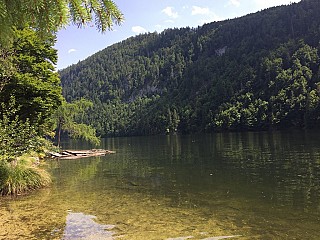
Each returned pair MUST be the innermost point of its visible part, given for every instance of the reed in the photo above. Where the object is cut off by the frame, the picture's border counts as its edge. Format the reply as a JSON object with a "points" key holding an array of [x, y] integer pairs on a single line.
{"points": [[22, 176]]}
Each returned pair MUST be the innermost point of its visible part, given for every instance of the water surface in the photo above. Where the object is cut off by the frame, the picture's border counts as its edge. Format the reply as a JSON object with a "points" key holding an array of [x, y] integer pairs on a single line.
{"points": [[248, 185]]}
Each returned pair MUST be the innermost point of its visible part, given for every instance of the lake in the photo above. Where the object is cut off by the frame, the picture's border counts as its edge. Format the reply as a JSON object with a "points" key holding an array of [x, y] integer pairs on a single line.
{"points": [[251, 185]]}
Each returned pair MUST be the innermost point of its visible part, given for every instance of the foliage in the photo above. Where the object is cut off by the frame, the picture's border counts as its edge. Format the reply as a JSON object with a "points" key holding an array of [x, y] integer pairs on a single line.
{"points": [[68, 118], [49, 16], [17, 137], [31, 78], [7, 67], [30, 89], [289, 95]]}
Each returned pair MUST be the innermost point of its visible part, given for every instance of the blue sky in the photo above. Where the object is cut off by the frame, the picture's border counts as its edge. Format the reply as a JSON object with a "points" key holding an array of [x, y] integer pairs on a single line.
{"points": [[142, 16]]}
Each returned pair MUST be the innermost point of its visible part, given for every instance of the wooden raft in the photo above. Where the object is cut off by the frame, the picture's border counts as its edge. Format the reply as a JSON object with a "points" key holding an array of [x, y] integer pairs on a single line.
{"points": [[74, 154]]}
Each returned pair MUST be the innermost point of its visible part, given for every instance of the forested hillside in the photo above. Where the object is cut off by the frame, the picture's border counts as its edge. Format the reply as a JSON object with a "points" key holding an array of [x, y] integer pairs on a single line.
{"points": [[259, 71]]}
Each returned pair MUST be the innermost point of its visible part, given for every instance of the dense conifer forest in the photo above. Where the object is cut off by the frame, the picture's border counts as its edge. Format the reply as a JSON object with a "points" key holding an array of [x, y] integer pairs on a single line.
{"points": [[255, 72]]}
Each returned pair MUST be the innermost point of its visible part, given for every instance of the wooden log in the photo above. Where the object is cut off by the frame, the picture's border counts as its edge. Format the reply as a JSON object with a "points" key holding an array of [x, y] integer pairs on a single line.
{"points": [[54, 154], [83, 156], [64, 153], [75, 154]]}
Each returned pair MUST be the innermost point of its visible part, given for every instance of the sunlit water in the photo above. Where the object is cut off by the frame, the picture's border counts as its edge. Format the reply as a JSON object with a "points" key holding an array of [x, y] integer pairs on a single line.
{"points": [[240, 185]]}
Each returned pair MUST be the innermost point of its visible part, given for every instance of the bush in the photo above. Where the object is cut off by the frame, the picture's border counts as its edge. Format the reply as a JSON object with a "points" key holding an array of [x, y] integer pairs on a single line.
{"points": [[17, 137]]}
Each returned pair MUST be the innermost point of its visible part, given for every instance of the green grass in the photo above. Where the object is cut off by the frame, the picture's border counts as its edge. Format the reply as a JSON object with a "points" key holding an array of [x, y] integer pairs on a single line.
{"points": [[22, 176]]}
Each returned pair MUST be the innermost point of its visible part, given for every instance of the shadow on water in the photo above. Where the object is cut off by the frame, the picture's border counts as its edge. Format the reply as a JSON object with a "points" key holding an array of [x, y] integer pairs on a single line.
{"points": [[262, 185]]}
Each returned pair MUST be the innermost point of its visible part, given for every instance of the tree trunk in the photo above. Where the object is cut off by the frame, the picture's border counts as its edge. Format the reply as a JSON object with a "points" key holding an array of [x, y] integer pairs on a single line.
{"points": [[59, 133]]}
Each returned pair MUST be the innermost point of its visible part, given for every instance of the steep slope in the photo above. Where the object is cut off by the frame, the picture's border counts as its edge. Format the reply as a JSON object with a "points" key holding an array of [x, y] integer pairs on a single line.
{"points": [[253, 72]]}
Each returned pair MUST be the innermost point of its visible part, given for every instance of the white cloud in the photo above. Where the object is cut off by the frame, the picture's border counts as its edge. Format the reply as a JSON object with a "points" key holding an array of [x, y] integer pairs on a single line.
{"points": [[235, 3], [170, 12], [72, 50], [138, 29], [200, 11], [207, 15]]}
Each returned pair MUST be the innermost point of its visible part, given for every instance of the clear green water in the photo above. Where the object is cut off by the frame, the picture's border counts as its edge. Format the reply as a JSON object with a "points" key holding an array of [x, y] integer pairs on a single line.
{"points": [[256, 185]]}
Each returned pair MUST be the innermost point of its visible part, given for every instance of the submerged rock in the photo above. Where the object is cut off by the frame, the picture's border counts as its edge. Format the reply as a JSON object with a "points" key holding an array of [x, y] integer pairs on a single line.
{"points": [[80, 226], [221, 237], [210, 238]]}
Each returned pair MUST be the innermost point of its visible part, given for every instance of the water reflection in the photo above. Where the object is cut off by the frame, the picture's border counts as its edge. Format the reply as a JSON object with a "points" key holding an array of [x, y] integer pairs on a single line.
{"points": [[81, 226], [279, 167], [256, 185], [286, 164], [266, 181]]}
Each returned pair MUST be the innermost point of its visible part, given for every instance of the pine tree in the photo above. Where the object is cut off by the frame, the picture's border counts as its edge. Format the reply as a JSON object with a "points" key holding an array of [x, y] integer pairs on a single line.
{"points": [[47, 16]]}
